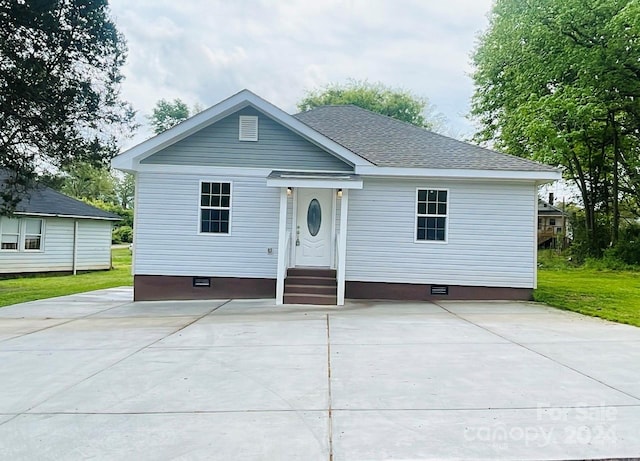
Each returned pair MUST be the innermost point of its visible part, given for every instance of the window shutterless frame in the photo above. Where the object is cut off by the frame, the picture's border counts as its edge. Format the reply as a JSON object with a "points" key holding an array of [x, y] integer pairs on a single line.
{"points": [[10, 233], [200, 207], [431, 215], [22, 233], [28, 234]]}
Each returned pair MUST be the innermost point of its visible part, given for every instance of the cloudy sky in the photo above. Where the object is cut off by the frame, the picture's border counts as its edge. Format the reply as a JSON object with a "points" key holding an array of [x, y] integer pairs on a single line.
{"points": [[203, 51]]}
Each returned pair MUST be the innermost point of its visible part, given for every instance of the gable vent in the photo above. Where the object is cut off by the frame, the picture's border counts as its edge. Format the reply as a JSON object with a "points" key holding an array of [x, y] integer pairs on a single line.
{"points": [[248, 128]]}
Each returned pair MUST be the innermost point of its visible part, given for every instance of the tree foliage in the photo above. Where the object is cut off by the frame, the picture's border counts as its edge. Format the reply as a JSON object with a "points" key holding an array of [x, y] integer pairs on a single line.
{"points": [[89, 183], [559, 81], [376, 97], [86, 182], [167, 114], [125, 190], [60, 67]]}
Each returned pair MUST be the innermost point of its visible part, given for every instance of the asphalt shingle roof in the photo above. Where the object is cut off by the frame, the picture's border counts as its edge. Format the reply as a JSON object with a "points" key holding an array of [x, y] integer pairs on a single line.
{"points": [[44, 200], [387, 142]]}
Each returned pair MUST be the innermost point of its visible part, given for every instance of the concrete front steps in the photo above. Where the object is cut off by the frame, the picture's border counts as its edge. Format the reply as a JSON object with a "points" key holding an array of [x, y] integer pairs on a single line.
{"points": [[310, 286]]}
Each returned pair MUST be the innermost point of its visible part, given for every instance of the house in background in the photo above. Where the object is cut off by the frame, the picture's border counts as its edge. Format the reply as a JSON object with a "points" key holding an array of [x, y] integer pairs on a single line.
{"points": [[552, 224], [50, 232], [244, 200]]}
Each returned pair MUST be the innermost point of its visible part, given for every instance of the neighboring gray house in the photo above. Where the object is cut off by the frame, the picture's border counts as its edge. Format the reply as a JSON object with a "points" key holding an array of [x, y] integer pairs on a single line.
{"points": [[553, 225], [50, 232], [245, 200]]}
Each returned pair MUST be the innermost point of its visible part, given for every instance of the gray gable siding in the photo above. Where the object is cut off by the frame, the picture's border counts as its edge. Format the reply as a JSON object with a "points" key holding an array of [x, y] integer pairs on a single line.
{"points": [[277, 147]]}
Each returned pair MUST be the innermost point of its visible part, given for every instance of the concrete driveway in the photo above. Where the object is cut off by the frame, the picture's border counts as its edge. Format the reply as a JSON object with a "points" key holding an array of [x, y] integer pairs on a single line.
{"points": [[96, 376]]}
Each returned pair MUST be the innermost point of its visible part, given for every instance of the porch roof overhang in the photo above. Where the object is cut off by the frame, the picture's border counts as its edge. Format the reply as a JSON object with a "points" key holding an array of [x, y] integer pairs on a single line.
{"points": [[318, 180]]}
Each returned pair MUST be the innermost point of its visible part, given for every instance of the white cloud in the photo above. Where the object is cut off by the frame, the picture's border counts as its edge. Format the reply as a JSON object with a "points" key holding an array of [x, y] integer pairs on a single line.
{"points": [[204, 51]]}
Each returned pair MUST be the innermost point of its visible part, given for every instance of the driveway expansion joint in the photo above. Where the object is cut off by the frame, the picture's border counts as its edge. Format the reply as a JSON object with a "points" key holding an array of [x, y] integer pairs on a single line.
{"points": [[329, 403]]}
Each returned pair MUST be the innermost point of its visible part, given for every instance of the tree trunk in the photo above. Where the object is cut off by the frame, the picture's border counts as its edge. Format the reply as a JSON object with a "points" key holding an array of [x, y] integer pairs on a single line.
{"points": [[587, 200], [615, 222]]}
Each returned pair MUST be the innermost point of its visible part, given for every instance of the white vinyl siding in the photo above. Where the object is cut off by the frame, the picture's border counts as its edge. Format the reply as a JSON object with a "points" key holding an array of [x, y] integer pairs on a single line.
{"points": [[94, 248], [94, 244], [174, 246], [491, 233]]}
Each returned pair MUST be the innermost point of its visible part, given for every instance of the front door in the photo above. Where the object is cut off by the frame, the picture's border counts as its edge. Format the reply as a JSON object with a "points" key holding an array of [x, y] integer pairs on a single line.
{"points": [[313, 227]]}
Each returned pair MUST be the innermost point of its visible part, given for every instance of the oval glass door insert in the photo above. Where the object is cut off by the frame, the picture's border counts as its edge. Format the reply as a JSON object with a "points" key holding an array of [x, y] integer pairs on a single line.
{"points": [[314, 217]]}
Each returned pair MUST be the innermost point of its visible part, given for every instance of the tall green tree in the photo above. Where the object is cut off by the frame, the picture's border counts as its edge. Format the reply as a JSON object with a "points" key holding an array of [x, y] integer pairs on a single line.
{"points": [[558, 81], [125, 190], [167, 114], [86, 182], [376, 97], [60, 78], [93, 184]]}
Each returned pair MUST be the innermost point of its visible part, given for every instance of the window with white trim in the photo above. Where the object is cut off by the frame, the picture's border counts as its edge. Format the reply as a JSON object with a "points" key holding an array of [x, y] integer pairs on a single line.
{"points": [[431, 213], [215, 207], [21, 234]]}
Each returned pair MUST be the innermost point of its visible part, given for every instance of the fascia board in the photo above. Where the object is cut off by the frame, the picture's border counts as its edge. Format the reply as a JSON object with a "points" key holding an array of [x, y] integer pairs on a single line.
{"points": [[314, 183], [544, 176]]}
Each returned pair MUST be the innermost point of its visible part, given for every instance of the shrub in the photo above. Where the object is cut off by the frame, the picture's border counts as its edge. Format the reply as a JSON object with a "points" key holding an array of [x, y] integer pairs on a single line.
{"points": [[554, 260], [125, 213], [627, 249], [583, 246], [122, 234]]}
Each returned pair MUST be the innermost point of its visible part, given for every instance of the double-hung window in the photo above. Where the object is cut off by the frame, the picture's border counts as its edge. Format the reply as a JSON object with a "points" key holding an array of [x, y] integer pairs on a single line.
{"points": [[21, 234], [431, 215], [10, 237], [32, 234], [215, 207]]}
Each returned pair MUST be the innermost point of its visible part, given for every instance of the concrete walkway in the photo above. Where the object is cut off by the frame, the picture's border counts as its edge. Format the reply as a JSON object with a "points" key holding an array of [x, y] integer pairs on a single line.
{"points": [[96, 376]]}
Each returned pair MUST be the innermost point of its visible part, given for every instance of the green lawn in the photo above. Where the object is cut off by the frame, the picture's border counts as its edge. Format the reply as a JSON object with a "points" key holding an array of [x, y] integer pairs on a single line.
{"points": [[30, 288], [611, 295]]}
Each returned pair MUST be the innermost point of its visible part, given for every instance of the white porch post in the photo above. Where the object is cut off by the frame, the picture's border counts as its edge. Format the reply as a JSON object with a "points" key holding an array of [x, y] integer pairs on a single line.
{"points": [[342, 245], [282, 242]]}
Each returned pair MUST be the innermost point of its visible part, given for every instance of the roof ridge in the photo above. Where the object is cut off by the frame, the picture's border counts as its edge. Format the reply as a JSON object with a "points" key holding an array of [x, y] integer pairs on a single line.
{"points": [[329, 106]]}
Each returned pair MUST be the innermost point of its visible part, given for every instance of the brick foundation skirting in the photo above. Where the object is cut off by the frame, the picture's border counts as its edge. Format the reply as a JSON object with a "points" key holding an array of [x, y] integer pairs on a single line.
{"points": [[165, 287], [420, 292]]}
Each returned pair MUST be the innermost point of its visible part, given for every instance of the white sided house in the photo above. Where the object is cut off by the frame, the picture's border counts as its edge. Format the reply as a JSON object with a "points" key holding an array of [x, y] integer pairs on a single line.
{"points": [[50, 232], [244, 200]]}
